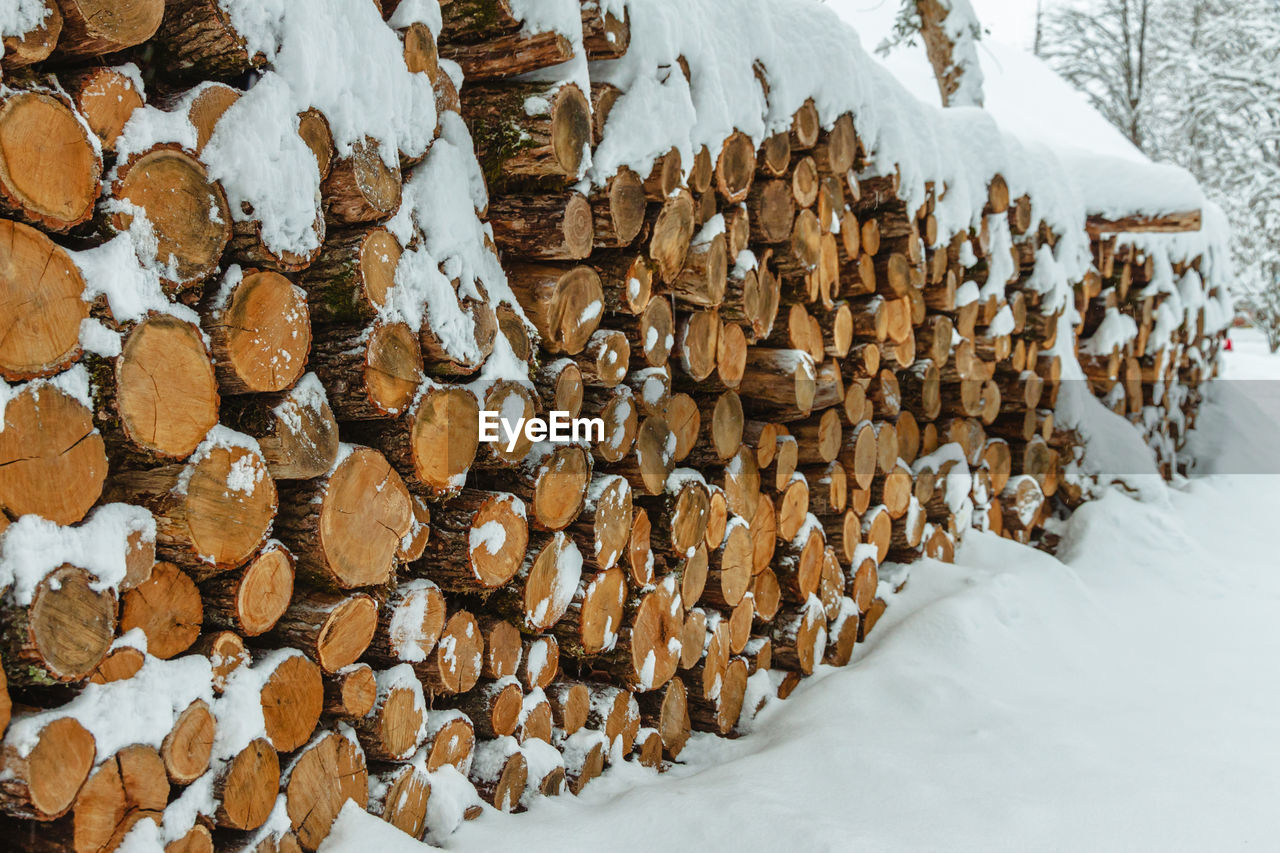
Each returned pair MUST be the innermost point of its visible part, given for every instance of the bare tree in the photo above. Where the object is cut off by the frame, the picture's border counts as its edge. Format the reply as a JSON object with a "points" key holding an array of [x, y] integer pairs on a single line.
{"points": [[1105, 51]]}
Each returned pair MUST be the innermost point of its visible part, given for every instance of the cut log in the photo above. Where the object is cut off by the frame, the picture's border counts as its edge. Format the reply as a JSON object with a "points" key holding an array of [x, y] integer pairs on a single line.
{"points": [[226, 653], [668, 712], [292, 698], [363, 186], [780, 380], [41, 302], [350, 692], [479, 540], [213, 513], [800, 638], [450, 740], [570, 704], [618, 210], [499, 772], [514, 146], [186, 213], [36, 44], [334, 630], [64, 631], [295, 430], [168, 610], [735, 167], [393, 729], [245, 787], [189, 744], [259, 333], [159, 396], [49, 168], [369, 373], [697, 343], [400, 797], [41, 782], [52, 460], [454, 666], [95, 27], [564, 306], [347, 284], [409, 623], [345, 528], [433, 447], [670, 235], [648, 648], [546, 227], [606, 519], [539, 663], [328, 773], [106, 97]]}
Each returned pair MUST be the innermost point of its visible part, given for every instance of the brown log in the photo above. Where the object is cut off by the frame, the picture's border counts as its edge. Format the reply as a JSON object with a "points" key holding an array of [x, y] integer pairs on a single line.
{"points": [[350, 692], [369, 374], [800, 637], [435, 444], [780, 380], [159, 397], [513, 146], [245, 787], [328, 773], [499, 772], [49, 169], [618, 209], [454, 666], [35, 45], [105, 97], [189, 744], [400, 797], [559, 385], [393, 729], [334, 630], [345, 528], [226, 653], [648, 648], [95, 27], [668, 712], [62, 633], [479, 541], [52, 461], [41, 782], [292, 698], [450, 740], [259, 332], [735, 168], [670, 235], [295, 430], [546, 226], [362, 186], [40, 301], [186, 212], [730, 572], [409, 623], [348, 281], [565, 306], [167, 608]]}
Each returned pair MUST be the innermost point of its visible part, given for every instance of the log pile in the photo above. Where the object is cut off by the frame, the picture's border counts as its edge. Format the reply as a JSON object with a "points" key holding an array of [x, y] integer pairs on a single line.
{"points": [[259, 561]]}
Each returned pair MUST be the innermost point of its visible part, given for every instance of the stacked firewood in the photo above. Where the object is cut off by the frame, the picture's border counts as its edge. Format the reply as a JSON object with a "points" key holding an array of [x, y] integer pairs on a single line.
{"points": [[259, 561], [1143, 341]]}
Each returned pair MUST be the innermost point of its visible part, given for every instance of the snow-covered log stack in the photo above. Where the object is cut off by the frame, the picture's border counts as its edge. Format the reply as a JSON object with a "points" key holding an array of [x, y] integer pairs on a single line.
{"points": [[267, 265]]}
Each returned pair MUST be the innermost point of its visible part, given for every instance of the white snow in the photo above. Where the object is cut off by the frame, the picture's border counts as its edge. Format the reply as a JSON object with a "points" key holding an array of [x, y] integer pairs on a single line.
{"points": [[137, 710], [32, 547], [132, 290]]}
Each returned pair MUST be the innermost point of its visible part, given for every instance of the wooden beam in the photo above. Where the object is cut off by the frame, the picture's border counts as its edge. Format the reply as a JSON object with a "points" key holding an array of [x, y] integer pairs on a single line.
{"points": [[1170, 223]]}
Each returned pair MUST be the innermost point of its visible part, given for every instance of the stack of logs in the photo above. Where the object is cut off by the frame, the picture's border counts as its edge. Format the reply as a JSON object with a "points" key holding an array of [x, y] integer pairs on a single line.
{"points": [[799, 380]]}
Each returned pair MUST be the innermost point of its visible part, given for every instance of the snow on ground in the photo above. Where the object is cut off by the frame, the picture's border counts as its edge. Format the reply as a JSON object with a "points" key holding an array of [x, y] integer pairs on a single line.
{"points": [[1120, 696]]}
